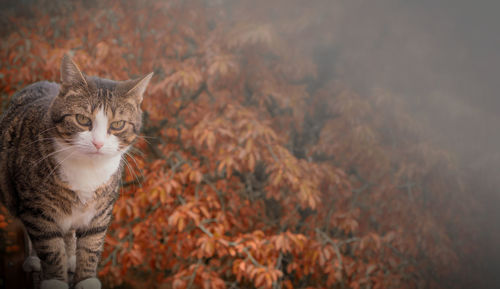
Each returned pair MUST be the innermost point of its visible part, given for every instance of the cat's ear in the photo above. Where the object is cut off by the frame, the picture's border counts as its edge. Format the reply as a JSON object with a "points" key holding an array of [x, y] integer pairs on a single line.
{"points": [[70, 73], [135, 88]]}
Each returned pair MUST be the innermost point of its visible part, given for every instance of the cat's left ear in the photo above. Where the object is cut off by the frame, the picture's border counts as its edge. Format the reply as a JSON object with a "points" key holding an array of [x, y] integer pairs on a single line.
{"points": [[70, 73], [135, 88]]}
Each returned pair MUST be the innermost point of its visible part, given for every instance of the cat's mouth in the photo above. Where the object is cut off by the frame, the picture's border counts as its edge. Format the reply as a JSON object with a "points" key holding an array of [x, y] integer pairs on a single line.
{"points": [[99, 154]]}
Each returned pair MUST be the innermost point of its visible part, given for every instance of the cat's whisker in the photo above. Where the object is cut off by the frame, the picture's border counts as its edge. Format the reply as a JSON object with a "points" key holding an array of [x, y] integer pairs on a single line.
{"points": [[132, 172], [40, 134], [135, 150], [132, 157], [59, 163], [46, 130], [82, 146], [37, 162], [145, 138], [37, 140]]}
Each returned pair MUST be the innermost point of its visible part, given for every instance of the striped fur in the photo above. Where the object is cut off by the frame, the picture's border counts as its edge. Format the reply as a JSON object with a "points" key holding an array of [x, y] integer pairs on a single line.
{"points": [[63, 221]]}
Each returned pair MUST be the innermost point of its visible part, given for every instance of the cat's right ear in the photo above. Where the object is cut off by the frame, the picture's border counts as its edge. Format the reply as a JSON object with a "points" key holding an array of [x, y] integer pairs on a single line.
{"points": [[70, 73]]}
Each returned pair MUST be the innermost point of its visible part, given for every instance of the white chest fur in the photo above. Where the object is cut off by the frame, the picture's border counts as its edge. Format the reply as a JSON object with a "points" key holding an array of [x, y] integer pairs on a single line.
{"points": [[85, 175], [80, 217]]}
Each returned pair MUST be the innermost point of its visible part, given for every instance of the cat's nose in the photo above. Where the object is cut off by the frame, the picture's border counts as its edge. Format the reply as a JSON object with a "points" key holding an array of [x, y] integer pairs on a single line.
{"points": [[97, 144]]}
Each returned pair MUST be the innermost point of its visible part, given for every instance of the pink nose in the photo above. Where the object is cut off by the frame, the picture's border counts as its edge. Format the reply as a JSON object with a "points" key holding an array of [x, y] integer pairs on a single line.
{"points": [[97, 144]]}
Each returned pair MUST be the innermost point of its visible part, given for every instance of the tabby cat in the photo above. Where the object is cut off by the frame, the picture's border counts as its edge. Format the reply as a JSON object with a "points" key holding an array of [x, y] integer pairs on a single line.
{"points": [[61, 157]]}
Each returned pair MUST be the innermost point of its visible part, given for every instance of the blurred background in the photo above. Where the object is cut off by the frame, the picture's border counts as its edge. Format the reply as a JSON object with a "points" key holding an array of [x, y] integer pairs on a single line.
{"points": [[288, 144]]}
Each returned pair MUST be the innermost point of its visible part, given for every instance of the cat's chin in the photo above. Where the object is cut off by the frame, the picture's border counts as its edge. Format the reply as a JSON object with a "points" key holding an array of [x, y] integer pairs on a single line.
{"points": [[100, 155]]}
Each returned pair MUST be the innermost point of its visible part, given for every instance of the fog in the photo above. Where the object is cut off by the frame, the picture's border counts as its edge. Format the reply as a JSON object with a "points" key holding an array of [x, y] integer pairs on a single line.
{"points": [[443, 58]]}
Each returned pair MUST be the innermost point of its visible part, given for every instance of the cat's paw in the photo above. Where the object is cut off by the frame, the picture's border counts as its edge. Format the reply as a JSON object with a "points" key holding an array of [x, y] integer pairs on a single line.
{"points": [[32, 264], [90, 283], [72, 264], [53, 284]]}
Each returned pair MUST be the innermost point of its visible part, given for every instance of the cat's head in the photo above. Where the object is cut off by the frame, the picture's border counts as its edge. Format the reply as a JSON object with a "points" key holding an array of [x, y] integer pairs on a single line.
{"points": [[95, 117]]}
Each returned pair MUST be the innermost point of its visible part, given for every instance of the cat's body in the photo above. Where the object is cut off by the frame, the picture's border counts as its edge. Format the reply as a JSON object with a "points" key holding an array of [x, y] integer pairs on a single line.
{"points": [[61, 151]]}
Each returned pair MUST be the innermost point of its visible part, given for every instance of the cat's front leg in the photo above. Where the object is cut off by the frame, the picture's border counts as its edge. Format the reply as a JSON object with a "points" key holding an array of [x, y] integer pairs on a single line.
{"points": [[89, 245], [70, 242], [48, 242]]}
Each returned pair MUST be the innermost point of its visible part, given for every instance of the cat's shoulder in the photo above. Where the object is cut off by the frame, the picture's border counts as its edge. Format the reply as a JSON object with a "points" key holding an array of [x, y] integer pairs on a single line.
{"points": [[38, 94], [46, 86], [33, 98], [38, 90]]}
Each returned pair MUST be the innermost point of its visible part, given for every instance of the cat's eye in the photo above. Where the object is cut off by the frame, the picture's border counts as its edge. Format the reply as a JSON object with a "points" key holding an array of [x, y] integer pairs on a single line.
{"points": [[117, 125], [83, 120]]}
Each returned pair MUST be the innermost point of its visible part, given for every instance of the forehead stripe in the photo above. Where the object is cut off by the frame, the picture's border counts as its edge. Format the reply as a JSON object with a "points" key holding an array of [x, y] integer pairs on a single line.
{"points": [[100, 128]]}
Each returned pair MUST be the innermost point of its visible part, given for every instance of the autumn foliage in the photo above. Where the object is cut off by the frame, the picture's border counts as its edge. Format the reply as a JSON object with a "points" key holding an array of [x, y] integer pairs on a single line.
{"points": [[257, 168]]}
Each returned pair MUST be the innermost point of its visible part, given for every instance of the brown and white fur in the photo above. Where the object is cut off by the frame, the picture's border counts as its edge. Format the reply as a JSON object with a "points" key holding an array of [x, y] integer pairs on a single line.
{"points": [[61, 157]]}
